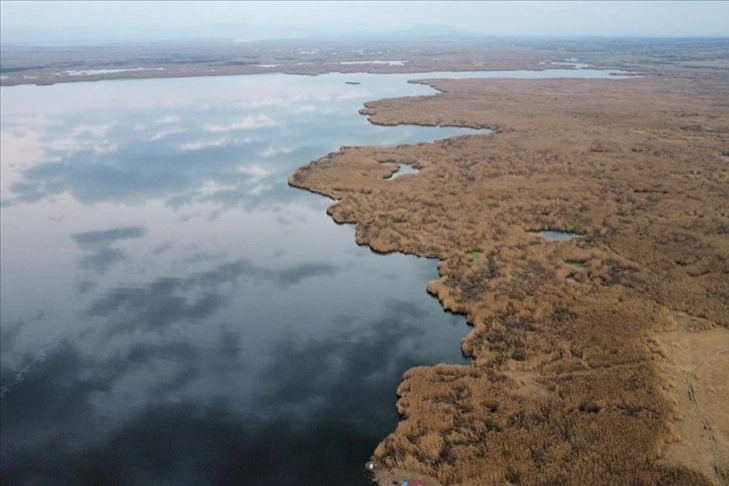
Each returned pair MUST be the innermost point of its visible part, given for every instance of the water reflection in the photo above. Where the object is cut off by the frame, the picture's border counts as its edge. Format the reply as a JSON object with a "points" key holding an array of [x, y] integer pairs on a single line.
{"points": [[92, 239], [192, 298], [172, 312], [195, 151], [100, 256], [304, 397], [551, 235]]}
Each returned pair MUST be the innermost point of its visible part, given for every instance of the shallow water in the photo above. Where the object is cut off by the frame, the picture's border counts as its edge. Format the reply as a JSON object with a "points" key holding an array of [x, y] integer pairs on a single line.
{"points": [[88, 72], [573, 62], [387, 63], [174, 313], [402, 170], [557, 235]]}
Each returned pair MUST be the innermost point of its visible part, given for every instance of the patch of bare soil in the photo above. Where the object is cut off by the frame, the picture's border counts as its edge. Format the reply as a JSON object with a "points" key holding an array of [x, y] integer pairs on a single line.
{"points": [[695, 360], [566, 386]]}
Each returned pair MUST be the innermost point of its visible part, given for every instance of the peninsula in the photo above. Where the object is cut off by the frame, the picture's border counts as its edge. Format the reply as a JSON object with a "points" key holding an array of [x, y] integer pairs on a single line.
{"points": [[601, 359]]}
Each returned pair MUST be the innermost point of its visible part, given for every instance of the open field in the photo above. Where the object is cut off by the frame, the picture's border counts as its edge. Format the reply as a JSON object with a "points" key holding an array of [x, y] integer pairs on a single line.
{"points": [[599, 360]]}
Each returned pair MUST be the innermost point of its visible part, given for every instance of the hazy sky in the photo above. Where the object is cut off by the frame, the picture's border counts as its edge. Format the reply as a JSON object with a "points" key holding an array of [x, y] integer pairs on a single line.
{"points": [[496, 18]]}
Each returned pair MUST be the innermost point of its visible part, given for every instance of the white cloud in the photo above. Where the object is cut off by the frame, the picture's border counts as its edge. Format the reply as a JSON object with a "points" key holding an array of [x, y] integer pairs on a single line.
{"points": [[86, 137], [259, 189], [167, 120], [297, 109], [273, 151], [188, 147], [95, 130], [255, 171], [247, 123], [212, 187], [164, 133]]}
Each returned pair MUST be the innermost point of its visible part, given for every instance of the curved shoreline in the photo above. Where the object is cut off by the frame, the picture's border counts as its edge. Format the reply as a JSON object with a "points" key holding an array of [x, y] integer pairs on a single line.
{"points": [[533, 353]]}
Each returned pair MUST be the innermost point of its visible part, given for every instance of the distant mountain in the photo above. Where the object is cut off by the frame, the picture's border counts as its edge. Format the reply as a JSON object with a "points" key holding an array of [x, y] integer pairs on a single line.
{"points": [[87, 34]]}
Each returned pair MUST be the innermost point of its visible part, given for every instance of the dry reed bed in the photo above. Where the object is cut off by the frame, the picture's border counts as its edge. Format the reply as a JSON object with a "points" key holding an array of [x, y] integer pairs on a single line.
{"points": [[564, 388]]}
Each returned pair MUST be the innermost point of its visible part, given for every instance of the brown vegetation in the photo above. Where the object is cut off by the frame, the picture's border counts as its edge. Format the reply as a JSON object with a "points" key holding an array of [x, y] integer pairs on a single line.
{"points": [[571, 380], [49, 65]]}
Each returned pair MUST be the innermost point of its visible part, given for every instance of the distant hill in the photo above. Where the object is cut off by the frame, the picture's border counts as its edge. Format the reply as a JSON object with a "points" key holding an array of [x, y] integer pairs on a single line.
{"points": [[30, 34]]}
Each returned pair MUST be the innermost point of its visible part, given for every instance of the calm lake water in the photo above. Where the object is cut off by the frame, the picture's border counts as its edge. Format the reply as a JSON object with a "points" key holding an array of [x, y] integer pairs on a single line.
{"points": [[172, 312]]}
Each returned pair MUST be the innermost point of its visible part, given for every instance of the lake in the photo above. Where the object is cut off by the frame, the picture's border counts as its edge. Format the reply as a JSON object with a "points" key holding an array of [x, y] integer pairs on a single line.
{"points": [[172, 312]]}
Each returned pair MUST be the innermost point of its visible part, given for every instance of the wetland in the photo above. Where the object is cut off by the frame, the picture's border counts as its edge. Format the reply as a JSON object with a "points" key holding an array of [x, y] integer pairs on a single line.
{"points": [[160, 277], [174, 311]]}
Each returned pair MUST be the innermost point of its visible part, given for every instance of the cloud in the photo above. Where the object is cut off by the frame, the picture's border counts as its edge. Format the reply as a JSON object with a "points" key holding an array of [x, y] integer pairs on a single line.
{"points": [[247, 123], [255, 171], [167, 120], [25, 418], [194, 146], [273, 151], [96, 131], [315, 377], [102, 257], [165, 133], [302, 109], [259, 189], [166, 301], [92, 138], [92, 239], [151, 407], [54, 431], [190, 443], [103, 260]]}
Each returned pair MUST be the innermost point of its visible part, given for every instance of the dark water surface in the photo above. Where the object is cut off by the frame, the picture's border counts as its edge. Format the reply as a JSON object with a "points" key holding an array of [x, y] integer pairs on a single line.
{"points": [[172, 312]]}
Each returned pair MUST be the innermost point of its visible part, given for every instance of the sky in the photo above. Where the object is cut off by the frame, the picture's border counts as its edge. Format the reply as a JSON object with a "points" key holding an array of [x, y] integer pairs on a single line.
{"points": [[95, 19]]}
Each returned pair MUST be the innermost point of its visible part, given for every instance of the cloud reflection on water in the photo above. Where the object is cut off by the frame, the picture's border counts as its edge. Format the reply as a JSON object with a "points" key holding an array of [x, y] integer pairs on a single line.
{"points": [[91, 239], [140, 155], [164, 301], [260, 444], [102, 256], [239, 347]]}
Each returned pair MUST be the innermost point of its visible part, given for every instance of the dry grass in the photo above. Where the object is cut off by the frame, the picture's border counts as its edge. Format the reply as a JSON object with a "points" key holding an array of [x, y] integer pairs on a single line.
{"points": [[565, 386]]}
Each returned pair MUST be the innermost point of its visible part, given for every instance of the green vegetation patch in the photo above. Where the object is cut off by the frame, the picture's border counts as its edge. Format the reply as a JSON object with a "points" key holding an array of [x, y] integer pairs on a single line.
{"points": [[576, 264], [474, 255]]}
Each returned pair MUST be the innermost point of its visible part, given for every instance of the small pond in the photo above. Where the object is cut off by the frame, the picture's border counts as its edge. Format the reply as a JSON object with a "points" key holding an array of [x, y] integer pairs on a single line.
{"points": [[551, 235]]}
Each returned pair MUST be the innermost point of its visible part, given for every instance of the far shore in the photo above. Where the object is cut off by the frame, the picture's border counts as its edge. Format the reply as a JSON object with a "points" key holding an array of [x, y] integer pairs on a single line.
{"points": [[33, 65]]}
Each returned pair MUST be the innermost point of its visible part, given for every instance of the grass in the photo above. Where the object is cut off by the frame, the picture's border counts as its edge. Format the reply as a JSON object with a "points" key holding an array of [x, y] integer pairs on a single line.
{"points": [[474, 255], [575, 264]]}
